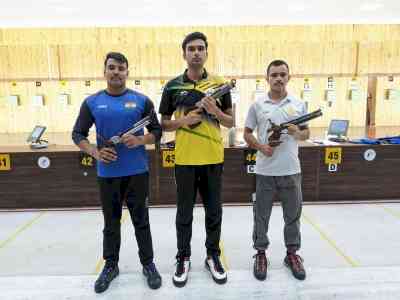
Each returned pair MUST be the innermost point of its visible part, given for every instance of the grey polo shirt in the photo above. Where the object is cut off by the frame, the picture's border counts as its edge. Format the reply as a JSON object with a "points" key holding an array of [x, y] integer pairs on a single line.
{"points": [[285, 159]]}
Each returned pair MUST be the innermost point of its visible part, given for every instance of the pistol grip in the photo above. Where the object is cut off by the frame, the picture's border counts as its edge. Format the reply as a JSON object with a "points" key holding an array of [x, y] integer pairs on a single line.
{"points": [[274, 143]]}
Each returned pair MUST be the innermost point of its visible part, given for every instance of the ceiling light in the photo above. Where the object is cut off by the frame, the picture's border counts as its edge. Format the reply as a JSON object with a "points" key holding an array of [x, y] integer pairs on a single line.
{"points": [[296, 7], [372, 6]]}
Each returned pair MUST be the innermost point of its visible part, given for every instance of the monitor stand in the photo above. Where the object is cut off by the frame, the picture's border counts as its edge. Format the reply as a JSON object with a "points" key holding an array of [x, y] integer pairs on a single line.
{"points": [[337, 138], [41, 144]]}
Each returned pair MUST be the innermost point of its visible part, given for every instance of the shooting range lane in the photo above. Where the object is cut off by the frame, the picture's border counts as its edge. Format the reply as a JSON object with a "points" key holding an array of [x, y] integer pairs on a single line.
{"points": [[343, 247]]}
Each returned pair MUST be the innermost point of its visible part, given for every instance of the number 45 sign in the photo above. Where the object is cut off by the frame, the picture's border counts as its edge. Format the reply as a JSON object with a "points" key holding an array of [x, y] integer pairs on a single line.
{"points": [[333, 155]]}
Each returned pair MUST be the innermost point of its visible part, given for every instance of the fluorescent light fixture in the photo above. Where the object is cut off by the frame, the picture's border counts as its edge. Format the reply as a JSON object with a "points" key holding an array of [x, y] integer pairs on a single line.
{"points": [[371, 6], [296, 7]]}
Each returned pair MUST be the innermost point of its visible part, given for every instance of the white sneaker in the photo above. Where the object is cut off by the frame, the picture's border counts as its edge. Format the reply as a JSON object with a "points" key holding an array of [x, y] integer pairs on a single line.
{"points": [[182, 271], [214, 265]]}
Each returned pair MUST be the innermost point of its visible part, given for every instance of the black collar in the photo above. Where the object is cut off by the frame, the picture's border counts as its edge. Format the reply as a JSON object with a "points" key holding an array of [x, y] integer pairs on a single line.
{"points": [[187, 79]]}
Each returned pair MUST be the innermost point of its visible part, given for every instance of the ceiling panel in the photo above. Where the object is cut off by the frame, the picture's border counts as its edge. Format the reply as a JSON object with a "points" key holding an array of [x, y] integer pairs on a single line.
{"points": [[95, 13]]}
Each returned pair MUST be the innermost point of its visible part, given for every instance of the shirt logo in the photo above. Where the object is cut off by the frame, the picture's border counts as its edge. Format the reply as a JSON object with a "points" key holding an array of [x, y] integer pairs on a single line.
{"points": [[102, 106], [130, 105], [290, 111]]}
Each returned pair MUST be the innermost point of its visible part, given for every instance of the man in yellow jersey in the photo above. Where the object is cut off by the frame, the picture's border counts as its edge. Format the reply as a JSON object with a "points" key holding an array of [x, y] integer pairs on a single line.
{"points": [[199, 152]]}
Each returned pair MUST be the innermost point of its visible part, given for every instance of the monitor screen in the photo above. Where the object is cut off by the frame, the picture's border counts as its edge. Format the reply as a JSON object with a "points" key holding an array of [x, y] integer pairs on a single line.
{"points": [[338, 127], [36, 133]]}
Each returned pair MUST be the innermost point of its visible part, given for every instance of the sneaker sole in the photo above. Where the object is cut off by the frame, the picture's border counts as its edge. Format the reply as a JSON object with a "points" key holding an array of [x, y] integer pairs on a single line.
{"points": [[179, 284], [218, 281]]}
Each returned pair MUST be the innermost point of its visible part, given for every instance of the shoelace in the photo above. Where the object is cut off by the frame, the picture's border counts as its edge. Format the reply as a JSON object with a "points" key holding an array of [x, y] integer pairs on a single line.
{"points": [[180, 263], [107, 270], [151, 268], [217, 264], [261, 261], [296, 261]]}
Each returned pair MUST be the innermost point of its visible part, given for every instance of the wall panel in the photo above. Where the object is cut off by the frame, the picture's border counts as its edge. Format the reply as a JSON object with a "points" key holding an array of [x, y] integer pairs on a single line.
{"points": [[387, 110], [155, 55]]}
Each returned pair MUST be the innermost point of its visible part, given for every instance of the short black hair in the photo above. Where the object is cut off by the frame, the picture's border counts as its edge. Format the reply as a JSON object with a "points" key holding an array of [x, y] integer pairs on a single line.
{"points": [[119, 57], [194, 36], [276, 63]]}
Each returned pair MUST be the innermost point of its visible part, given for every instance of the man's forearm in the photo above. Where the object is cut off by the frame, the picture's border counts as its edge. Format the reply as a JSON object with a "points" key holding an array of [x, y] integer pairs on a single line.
{"points": [[147, 139], [86, 147], [225, 119], [251, 141], [171, 125]]}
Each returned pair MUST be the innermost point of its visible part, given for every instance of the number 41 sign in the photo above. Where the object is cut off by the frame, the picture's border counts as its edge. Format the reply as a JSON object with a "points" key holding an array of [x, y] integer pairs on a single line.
{"points": [[5, 162]]}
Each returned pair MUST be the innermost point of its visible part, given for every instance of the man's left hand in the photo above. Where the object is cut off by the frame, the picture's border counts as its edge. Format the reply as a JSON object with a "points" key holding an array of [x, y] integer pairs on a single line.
{"points": [[131, 141], [293, 130]]}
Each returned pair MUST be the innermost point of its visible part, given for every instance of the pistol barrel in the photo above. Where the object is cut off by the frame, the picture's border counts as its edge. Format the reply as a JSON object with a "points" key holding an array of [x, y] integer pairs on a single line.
{"points": [[305, 118]]}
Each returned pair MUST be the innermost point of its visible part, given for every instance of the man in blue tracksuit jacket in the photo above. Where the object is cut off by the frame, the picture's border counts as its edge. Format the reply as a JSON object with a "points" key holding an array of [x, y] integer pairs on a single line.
{"points": [[122, 169]]}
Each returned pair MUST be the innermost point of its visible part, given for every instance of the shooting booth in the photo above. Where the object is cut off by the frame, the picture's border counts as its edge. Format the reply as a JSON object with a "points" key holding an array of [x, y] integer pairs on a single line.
{"points": [[62, 176]]}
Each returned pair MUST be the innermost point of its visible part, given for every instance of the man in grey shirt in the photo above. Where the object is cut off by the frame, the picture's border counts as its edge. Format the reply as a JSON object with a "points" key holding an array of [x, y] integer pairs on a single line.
{"points": [[277, 168]]}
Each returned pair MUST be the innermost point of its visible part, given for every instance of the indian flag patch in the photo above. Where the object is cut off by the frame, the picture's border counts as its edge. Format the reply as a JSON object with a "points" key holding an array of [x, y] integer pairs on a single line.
{"points": [[130, 105]]}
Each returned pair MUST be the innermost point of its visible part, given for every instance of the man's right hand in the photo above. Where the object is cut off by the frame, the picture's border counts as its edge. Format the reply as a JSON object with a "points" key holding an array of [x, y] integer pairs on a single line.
{"points": [[106, 155], [266, 149], [193, 117]]}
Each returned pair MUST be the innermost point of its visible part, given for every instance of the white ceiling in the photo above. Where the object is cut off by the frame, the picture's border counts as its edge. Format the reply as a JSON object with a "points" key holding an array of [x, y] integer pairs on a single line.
{"points": [[95, 13]]}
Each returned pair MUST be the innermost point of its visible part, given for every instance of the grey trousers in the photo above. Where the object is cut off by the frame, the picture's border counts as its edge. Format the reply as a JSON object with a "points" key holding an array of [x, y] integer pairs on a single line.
{"points": [[288, 191]]}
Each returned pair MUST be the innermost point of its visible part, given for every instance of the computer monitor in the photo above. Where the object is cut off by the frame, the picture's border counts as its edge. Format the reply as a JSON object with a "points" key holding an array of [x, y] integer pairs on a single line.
{"points": [[36, 134], [338, 128]]}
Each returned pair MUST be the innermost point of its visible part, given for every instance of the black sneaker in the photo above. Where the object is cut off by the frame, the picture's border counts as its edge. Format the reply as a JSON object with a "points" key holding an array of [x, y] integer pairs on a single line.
{"points": [[152, 275], [214, 265], [295, 263], [260, 265], [110, 271], [182, 271]]}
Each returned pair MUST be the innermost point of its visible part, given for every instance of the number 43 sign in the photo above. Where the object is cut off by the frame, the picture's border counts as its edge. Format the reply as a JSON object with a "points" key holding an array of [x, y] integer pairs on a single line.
{"points": [[168, 158]]}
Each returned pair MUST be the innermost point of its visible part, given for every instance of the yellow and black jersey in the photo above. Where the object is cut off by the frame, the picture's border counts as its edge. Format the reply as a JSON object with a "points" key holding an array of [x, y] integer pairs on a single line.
{"points": [[201, 145]]}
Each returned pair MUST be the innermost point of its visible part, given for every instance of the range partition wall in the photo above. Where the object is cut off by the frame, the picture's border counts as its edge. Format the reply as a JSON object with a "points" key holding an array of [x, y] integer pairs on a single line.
{"points": [[46, 73], [61, 177]]}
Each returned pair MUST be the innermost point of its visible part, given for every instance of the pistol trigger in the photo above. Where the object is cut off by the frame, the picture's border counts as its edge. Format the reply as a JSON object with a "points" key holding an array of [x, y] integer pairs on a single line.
{"points": [[115, 139]]}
